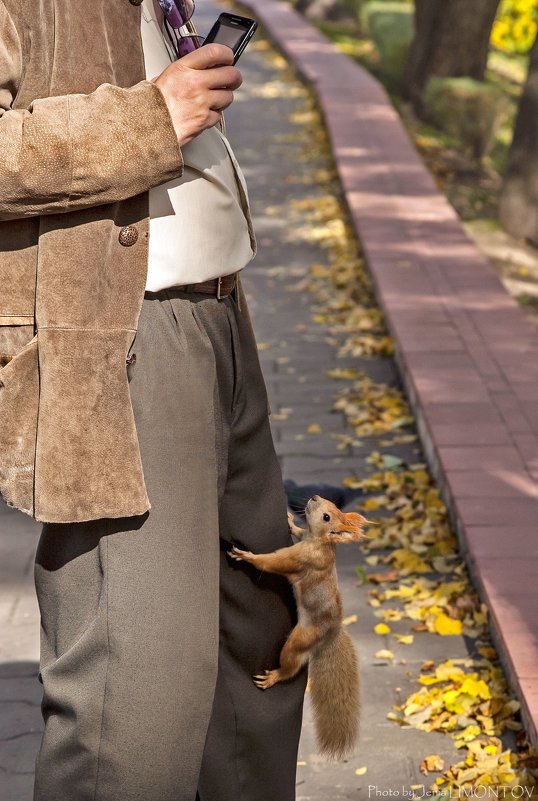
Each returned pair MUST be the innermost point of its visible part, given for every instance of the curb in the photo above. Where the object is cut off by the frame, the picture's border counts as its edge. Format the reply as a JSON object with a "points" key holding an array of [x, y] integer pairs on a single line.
{"points": [[467, 354]]}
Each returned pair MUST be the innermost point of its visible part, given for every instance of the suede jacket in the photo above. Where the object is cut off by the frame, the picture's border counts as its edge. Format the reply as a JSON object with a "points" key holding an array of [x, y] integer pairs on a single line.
{"points": [[83, 137]]}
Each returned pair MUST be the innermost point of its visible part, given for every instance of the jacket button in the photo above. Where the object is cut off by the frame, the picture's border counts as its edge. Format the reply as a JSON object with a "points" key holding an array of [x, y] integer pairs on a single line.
{"points": [[128, 235], [136, 2]]}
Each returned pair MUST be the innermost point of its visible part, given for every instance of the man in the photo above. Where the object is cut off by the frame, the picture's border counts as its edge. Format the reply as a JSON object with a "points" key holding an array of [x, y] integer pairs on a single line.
{"points": [[134, 416]]}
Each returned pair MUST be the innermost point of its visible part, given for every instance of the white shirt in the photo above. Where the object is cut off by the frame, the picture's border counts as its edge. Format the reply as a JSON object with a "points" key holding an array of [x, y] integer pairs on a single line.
{"points": [[200, 224]]}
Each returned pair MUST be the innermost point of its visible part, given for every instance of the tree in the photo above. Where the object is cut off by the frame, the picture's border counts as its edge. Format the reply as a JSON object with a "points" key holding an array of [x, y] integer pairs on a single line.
{"points": [[518, 210], [451, 40]]}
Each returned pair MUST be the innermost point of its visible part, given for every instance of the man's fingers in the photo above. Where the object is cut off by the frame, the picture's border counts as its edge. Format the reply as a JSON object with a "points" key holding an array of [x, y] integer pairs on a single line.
{"points": [[210, 55], [223, 76], [214, 118], [197, 88], [221, 99]]}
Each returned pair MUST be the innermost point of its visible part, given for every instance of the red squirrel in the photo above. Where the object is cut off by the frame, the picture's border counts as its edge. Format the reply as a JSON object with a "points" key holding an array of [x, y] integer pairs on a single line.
{"points": [[318, 638]]}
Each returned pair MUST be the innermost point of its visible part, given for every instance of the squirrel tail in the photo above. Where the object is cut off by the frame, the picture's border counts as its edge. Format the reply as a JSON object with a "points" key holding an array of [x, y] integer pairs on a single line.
{"points": [[335, 694]]}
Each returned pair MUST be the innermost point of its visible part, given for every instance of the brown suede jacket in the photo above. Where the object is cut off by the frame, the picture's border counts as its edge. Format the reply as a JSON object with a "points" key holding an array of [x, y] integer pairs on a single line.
{"points": [[83, 137]]}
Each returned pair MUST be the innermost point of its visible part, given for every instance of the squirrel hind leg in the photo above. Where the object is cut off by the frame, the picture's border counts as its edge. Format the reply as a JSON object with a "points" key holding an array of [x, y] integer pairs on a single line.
{"points": [[265, 681], [293, 656]]}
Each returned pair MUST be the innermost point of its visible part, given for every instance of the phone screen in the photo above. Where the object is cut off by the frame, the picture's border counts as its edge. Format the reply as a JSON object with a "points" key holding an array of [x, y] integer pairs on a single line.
{"points": [[227, 33]]}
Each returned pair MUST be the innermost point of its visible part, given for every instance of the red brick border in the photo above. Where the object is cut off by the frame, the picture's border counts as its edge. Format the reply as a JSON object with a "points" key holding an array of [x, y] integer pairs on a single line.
{"points": [[466, 351]]}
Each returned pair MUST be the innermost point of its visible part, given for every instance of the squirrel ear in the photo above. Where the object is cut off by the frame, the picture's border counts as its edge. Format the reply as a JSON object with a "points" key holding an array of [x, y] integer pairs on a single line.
{"points": [[359, 520], [354, 524], [355, 519]]}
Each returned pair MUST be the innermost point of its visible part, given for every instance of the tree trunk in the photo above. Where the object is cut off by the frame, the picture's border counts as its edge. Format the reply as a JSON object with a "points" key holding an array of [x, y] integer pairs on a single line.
{"points": [[451, 40], [518, 210], [322, 9]]}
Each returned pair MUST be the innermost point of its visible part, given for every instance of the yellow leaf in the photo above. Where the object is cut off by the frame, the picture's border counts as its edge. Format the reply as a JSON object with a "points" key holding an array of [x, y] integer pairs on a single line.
{"points": [[469, 733], [348, 372], [476, 688], [404, 639], [446, 625], [382, 628], [360, 771], [371, 504], [408, 562], [314, 428], [433, 762], [349, 619], [384, 653]]}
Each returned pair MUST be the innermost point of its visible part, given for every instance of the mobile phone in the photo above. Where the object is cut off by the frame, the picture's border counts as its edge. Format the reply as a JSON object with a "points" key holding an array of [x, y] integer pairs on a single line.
{"points": [[234, 31]]}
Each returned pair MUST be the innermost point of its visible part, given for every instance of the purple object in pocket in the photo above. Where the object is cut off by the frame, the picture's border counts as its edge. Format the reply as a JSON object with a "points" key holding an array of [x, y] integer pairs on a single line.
{"points": [[177, 12]]}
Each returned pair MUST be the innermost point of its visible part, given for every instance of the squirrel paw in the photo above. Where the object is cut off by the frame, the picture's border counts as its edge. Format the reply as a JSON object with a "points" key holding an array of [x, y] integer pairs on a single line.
{"points": [[237, 554], [264, 682], [296, 530]]}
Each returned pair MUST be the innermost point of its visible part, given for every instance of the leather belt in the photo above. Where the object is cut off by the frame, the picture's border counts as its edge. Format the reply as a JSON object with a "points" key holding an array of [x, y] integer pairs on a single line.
{"points": [[221, 287]]}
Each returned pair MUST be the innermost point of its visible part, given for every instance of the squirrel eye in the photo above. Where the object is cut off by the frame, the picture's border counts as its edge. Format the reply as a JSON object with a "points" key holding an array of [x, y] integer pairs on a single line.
{"points": [[326, 517]]}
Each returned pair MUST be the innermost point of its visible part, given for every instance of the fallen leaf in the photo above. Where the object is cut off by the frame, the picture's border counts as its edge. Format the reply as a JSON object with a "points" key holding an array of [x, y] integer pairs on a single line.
{"points": [[380, 578], [382, 628], [404, 639], [346, 372], [384, 653], [434, 762], [446, 625]]}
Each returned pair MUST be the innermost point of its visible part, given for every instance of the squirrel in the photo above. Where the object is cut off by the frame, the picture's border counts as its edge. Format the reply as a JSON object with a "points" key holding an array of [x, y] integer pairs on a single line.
{"points": [[318, 638]]}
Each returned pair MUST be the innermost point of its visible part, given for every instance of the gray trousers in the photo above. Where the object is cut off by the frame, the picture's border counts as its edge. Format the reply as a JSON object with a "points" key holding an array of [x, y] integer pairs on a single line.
{"points": [[150, 633]]}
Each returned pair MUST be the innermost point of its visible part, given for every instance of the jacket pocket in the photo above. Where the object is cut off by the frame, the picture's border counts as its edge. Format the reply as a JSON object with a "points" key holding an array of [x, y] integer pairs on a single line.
{"points": [[14, 336], [19, 404]]}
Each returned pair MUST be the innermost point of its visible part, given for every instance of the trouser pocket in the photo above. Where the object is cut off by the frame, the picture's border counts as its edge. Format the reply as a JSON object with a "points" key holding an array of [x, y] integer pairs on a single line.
{"points": [[70, 584]]}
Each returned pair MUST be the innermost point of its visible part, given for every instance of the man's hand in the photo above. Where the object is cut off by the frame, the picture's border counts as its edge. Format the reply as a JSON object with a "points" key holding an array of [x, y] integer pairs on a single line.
{"points": [[198, 87]]}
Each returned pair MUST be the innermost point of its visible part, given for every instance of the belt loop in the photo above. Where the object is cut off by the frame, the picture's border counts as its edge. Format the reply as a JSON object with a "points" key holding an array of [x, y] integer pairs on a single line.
{"points": [[235, 290]]}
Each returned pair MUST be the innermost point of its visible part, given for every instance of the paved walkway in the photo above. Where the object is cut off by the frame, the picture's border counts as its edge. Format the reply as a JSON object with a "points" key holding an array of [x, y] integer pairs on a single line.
{"points": [[295, 353], [467, 353]]}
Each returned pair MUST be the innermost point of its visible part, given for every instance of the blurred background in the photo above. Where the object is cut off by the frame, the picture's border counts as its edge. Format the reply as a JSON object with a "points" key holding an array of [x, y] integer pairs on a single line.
{"points": [[464, 78]]}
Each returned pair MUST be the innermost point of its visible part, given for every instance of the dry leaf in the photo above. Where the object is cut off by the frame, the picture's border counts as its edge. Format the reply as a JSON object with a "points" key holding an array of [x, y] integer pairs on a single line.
{"points": [[434, 762], [384, 653], [404, 639], [446, 625], [382, 628], [380, 578]]}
